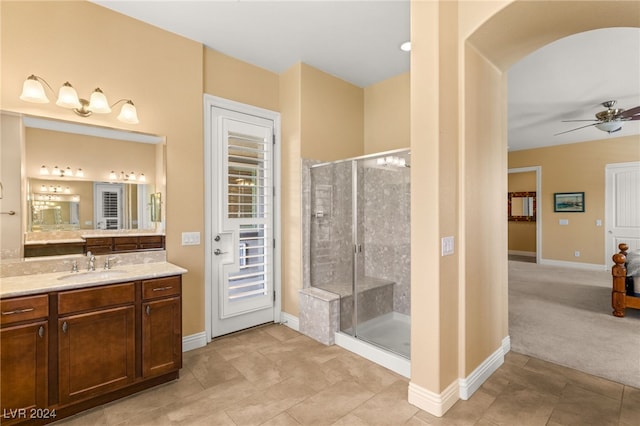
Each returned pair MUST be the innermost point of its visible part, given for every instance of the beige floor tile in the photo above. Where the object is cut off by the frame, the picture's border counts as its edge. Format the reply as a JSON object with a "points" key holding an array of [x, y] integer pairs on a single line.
{"points": [[389, 407], [210, 368], [352, 420], [283, 419], [578, 406], [349, 366], [630, 411], [329, 405], [522, 406], [259, 370]]}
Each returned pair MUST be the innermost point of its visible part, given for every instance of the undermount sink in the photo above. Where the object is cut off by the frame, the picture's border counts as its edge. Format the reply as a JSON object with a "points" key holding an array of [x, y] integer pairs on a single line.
{"points": [[94, 275]]}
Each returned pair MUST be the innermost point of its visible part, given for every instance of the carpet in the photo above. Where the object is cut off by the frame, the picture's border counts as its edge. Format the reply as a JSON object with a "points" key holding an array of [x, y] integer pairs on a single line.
{"points": [[563, 315]]}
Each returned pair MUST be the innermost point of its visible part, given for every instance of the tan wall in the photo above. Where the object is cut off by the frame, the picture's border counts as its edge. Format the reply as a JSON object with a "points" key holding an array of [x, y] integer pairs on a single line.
{"points": [[332, 116], [576, 167], [386, 115], [91, 46], [522, 235]]}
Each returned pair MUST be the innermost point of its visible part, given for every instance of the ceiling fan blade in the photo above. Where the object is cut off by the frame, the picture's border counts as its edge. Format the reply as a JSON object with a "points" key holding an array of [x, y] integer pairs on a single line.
{"points": [[634, 118], [577, 128], [630, 112], [571, 121]]}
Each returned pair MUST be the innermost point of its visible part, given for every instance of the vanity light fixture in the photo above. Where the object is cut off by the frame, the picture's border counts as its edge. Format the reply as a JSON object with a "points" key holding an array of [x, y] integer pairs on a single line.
{"points": [[56, 171], [33, 91], [131, 177]]}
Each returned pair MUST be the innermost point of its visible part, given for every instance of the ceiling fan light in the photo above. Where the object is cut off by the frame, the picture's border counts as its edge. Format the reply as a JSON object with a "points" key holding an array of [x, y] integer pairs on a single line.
{"points": [[33, 91], [98, 102], [609, 126], [68, 97]]}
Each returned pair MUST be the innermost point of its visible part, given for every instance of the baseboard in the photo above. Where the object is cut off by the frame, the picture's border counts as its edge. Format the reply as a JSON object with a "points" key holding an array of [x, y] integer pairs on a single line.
{"points": [[578, 265], [290, 321], [523, 253], [468, 385], [433, 403], [194, 341]]}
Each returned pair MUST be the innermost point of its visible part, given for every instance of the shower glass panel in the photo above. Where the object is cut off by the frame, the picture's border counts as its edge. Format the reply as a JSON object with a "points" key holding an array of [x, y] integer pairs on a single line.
{"points": [[360, 245]]}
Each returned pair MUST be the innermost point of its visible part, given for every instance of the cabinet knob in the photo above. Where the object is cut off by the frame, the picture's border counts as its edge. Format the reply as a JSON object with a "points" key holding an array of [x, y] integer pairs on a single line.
{"points": [[148, 309], [41, 331], [65, 327]]}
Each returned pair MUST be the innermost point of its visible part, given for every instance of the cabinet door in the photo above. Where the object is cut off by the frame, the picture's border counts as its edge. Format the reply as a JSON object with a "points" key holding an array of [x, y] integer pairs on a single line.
{"points": [[96, 352], [161, 336], [23, 359]]}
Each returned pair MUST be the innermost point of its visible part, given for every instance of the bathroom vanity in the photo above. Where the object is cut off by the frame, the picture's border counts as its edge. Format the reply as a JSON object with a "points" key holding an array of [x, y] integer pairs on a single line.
{"points": [[72, 341]]}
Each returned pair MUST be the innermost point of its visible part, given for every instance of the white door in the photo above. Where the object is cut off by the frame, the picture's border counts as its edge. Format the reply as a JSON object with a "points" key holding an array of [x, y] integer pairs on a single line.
{"points": [[108, 205], [622, 215], [241, 250]]}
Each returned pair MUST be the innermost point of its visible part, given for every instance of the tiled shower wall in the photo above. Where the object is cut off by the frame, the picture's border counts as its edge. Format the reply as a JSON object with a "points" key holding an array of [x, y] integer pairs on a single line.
{"points": [[383, 226]]}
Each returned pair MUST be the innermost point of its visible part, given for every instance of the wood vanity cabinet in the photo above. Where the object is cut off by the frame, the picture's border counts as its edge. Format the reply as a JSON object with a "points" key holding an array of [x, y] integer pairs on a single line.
{"points": [[96, 340], [106, 245], [67, 351], [24, 342]]}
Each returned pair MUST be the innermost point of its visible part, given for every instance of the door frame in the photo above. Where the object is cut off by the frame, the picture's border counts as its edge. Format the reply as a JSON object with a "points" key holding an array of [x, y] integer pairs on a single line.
{"points": [[609, 246], [210, 102], [539, 203]]}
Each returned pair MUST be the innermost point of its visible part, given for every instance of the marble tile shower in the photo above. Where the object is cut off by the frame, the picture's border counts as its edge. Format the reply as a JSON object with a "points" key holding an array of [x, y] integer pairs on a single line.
{"points": [[381, 224]]}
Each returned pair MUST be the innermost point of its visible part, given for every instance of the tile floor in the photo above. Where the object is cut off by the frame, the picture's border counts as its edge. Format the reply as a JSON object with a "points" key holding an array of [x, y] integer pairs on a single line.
{"points": [[273, 375]]}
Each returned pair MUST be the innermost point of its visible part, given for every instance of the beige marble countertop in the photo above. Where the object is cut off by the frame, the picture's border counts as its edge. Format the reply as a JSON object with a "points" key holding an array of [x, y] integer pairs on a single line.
{"points": [[59, 241], [58, 281]]}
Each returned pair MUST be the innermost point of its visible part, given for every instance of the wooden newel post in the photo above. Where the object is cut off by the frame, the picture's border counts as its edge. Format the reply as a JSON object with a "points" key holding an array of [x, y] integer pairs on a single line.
{"points": [[619, 272]]}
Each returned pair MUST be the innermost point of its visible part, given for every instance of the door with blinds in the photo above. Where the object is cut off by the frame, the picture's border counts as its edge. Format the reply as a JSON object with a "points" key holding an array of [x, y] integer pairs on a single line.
{"points": [[108, 206], [242, 221]]}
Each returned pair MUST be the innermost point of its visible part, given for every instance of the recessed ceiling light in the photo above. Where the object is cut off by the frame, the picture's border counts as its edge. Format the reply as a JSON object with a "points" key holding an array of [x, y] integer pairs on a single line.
{"points": [[406, 46]]}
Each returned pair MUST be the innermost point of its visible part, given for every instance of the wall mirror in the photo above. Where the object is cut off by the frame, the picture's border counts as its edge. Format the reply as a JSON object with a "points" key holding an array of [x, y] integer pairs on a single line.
{"points": [[522, 206], [82, 177]]}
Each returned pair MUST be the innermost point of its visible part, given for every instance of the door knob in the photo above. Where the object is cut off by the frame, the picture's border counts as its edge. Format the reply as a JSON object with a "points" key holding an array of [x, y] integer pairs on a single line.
{"points": [[218, 252]]}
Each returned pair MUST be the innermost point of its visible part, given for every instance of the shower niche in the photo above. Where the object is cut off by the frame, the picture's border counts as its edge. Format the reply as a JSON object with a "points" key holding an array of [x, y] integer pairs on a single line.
{"points": [[357, 249]]}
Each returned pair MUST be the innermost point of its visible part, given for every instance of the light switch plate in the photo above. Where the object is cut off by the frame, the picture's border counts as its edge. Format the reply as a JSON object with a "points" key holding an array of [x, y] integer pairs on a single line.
{"points": [[190, 238], [447, 246], [563, 221]]}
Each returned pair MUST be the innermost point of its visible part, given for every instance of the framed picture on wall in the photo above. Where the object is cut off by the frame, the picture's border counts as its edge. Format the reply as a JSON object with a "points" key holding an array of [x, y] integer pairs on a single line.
{"points": [[567, 202]]}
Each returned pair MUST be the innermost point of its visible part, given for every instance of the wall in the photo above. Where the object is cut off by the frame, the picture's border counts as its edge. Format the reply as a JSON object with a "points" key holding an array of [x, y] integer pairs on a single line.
{"points": [[576, 167], [522, 235], [386, 115], [127, 59], [11, 152]]}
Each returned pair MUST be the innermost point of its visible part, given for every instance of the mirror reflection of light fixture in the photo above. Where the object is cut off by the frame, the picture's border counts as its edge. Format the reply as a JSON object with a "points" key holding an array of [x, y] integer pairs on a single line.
{"points": [[56, 171], [33, 91], [131, 177]]}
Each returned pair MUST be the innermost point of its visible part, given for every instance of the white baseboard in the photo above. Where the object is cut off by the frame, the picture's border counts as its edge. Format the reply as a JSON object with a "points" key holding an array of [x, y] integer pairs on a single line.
{"points": [[578, 265], [433, 403], [194, 341], [468, 385], [290, 321]]}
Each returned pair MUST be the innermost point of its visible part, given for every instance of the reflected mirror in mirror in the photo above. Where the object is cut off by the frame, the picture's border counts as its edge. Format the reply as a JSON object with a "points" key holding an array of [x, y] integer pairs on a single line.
{"points": [[522, 206]]}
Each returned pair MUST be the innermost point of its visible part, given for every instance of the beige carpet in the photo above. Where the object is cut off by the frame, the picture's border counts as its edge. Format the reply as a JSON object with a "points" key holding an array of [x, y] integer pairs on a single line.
{"points": [[563, 315]]}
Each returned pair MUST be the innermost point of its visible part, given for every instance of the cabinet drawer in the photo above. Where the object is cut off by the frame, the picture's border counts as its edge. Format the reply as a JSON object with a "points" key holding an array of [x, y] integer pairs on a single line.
{"points": [[96, 297], [99, 241], [125, 240], [161, 287], [24, 309]]}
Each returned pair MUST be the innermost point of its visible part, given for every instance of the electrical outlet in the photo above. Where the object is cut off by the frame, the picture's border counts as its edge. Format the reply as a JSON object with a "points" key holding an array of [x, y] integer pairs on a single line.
{"points": [[576, 253], [447, 246]]}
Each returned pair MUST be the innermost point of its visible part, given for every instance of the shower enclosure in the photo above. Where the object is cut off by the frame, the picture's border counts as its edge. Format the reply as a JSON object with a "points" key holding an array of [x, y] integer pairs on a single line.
{"points": [[360, 245]]}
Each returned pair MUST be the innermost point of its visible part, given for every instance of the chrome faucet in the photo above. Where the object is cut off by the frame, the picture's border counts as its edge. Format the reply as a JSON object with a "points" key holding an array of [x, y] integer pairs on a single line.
{"points": [[92, 261], [108, 262], [74, 266]]}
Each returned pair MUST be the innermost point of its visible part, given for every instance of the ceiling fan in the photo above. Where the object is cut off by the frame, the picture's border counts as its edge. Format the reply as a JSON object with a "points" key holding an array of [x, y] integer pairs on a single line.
{"points": [[609, 120]]}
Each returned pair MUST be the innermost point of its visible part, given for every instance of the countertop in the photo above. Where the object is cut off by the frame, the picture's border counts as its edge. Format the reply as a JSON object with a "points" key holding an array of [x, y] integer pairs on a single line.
{"points": [[24, 285]]}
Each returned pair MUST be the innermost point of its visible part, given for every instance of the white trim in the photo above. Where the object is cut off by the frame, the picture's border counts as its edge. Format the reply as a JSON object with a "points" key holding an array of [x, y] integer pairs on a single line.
{"points": [[433, 403], [194, 341], [468, 385], [577, 265], [211, 101], [290, 321], [393, 362], [539, 204], [506, 345]]}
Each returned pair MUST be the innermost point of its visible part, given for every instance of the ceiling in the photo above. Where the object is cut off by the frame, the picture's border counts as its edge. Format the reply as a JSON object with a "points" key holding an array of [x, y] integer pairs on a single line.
{"points": [[358, 41]]}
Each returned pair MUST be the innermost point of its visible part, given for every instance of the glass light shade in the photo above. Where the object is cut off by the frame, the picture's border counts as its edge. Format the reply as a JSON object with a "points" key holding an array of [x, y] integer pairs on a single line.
{"points": [[98, 102], [56, 171], [68, 171], [32, 91], [142, 178], [128, 113], [67, 190], [609, 126], [132, 176], [44, 170], [43, 188], [68, 97], [79, 173], [113, 175]]}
